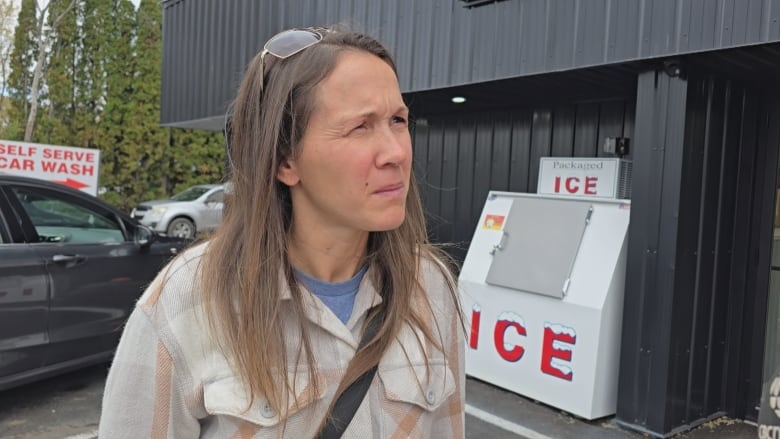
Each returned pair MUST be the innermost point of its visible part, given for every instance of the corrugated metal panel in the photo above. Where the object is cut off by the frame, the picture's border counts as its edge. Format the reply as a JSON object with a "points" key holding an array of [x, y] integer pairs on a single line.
{"points": [[521, 151], [459, 158], [698, 264], [759, 136], [658, 155], [763, 193], [771, 367], [438, 43]]}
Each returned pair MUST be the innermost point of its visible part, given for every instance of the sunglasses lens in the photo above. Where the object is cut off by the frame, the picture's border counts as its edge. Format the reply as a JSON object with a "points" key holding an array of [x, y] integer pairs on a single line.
{"points": [[290, 42]]}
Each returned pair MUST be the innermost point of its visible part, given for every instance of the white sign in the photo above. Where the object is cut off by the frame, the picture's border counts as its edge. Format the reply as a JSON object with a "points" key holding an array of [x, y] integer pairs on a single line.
{"points": [[582, 177], [67, 165]]}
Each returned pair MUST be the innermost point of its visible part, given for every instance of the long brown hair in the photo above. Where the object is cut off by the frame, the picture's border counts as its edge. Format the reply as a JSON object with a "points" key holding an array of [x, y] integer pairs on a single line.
{"points": [[246, 266]]}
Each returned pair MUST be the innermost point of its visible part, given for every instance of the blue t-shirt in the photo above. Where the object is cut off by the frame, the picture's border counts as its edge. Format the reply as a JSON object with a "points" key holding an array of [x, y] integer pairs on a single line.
{"points": [[339, 296]]}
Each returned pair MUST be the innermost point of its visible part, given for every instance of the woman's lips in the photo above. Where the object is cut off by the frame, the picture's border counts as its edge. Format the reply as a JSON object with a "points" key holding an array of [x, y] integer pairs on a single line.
{"points": [[391, 190]]}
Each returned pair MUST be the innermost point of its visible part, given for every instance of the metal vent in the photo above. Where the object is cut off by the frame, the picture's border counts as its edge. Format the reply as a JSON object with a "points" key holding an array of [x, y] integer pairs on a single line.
{"points": [[624, 179], [474, 3]]}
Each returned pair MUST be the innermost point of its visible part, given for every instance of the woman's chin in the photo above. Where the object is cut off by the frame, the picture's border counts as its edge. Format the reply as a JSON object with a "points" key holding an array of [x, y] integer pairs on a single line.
{"points": [[391, 221]]}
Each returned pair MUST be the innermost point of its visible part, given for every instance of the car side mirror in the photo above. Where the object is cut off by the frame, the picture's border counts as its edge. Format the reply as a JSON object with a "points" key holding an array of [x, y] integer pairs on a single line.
{"points": [[143, 236]]}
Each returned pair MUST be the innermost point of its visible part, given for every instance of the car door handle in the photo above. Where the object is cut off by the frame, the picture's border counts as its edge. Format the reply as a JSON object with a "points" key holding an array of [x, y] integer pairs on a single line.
{"points": [[59, 259]]}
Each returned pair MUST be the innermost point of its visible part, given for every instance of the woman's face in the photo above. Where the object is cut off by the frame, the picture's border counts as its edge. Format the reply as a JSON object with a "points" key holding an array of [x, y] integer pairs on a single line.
{"points": [[353, 170]]}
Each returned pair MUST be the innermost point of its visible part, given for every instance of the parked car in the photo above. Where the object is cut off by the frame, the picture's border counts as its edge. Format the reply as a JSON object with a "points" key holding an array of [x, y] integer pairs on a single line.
{"points": [[196, 209], [71, 269]]}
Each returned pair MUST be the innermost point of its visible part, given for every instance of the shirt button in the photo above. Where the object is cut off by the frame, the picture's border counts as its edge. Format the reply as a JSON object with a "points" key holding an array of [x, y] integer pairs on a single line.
{"points": [[267, 411], [430, 397]]}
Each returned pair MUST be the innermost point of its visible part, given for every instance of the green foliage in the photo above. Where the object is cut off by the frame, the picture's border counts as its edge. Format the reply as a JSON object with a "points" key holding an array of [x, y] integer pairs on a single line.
{"points": [[120, 73], [20, 78], [144, 143], [55, 124], [102, 90], [195, 158]]}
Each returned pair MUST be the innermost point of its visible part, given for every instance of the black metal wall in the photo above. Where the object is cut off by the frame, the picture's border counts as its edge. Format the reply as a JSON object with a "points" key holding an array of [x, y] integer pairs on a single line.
{"points": [[698, 266], [459, 158], [439, 43]]}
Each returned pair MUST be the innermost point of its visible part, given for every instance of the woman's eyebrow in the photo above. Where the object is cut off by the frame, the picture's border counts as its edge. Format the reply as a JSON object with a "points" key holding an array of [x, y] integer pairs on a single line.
{"points": [[373, 113]]}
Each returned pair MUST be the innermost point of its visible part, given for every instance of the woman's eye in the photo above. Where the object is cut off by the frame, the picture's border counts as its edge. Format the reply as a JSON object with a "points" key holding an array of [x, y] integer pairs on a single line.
{"points": [[360, 127], [399, 120]]}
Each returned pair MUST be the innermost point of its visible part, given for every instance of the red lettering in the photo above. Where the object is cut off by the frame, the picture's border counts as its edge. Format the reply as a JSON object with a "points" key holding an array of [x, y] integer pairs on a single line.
{"points": [[505, 321], [62, 154], [571, 185], [67, 168], [557, 345], [17, 164], [87, 170], [24, 151], [557, 185], [590, 185], [48, 166], [476, 313]]}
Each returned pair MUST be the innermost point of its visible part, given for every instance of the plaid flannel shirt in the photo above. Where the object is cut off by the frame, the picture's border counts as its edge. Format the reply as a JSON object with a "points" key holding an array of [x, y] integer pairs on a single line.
{"points": [[170, 380]]}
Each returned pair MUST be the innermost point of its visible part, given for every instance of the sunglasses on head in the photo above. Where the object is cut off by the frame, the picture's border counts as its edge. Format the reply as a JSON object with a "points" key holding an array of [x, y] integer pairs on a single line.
{"points": [[287, 43]]}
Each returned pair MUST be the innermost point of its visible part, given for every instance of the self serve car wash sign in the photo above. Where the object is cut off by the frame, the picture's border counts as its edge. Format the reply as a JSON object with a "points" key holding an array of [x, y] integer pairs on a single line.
{"points": [[67, 165]]}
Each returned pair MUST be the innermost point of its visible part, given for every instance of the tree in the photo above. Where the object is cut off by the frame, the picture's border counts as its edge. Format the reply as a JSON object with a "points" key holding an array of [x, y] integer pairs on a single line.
{"points": [[98, 65], [148, 161], [41, 43], [195, 157], [7, 15], [139, 165], [59, 91], [20, 78], [97, 27], [114, 121]]}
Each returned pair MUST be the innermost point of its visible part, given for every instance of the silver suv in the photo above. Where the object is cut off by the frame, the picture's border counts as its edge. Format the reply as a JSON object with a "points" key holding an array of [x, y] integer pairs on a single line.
{"points": [[197, 209]]}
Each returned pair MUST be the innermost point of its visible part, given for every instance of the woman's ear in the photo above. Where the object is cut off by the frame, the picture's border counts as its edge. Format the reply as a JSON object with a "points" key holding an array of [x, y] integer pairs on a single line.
{"points": [[288, 173]]}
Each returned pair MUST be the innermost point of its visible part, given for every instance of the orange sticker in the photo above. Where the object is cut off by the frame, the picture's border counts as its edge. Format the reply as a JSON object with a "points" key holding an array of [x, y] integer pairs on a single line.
{"points": [[493, 222]]}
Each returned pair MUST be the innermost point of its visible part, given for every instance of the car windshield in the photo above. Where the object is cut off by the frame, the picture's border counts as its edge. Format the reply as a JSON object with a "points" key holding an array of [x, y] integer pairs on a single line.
{"points": [[190, 194]]}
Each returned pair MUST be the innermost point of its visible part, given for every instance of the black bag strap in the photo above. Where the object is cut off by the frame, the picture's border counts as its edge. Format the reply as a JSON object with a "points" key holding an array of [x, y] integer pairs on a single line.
{"points": [[348, 402]]}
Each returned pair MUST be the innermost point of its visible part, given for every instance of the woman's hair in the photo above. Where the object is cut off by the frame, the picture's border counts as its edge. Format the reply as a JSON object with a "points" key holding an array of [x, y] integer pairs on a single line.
{"points": [[246, 266]]}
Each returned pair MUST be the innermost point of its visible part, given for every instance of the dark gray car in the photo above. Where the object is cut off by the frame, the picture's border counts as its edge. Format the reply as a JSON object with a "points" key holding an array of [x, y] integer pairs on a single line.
{"points": [[71, 269]]}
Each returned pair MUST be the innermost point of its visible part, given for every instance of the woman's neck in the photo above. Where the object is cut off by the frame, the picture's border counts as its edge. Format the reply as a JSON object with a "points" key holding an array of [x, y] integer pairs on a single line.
{"points": [[326, 256]]}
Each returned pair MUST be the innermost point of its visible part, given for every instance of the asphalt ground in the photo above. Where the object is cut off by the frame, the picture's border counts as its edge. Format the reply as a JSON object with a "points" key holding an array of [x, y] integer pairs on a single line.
{"points": [[68, 407]]}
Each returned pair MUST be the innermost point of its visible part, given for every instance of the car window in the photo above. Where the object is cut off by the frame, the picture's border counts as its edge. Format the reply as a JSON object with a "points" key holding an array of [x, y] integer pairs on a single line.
{"points": [[57, 218], [216, 197], [190, 194]]}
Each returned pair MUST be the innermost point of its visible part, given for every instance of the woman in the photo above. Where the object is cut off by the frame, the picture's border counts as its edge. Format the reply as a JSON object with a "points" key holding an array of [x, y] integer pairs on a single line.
{"points": [[257, 332]]}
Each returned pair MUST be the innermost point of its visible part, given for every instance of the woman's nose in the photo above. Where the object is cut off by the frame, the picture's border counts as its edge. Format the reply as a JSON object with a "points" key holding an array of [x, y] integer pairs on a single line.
{"points": [[396, 148]]}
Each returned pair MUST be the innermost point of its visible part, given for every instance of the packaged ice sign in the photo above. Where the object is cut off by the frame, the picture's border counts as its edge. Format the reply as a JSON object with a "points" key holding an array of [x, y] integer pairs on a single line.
{"points": [[544, 297], [585, 177], [67, 165]]}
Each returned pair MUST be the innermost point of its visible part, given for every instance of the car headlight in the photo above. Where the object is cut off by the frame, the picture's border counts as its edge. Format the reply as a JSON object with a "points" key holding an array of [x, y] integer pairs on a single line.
{"points": [[157, 211]]}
